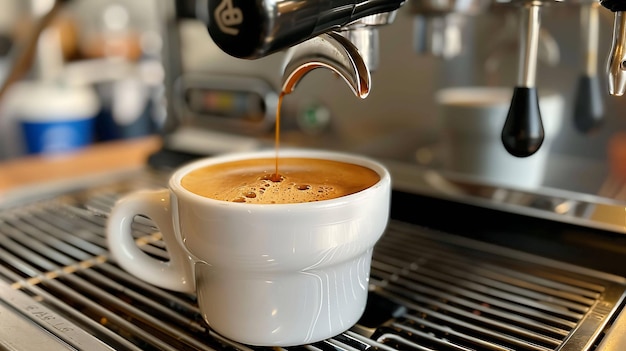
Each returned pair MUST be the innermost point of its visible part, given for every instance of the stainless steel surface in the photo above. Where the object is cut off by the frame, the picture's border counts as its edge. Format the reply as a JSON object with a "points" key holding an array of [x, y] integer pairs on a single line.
{"points": [[438, 35], [616, 69], [434, 7], [613, 341], [592, 211], [549, 51], [332, 51], [526, 2], [363, 33], [449, 292], [438, 25]]}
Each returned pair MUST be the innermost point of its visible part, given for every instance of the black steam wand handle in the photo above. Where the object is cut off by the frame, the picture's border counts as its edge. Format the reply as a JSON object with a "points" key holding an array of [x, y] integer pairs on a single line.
{"points": [[523, 132], [614, 5], [588, 103]]}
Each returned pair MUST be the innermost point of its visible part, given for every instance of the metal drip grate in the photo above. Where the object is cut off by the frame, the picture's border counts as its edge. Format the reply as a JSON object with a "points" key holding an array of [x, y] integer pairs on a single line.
{"points": [[465, 295], [430, 291]]}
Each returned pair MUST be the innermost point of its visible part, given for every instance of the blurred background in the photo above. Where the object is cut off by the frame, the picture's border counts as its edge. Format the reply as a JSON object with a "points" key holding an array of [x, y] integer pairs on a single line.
{"points": [[118, 68], [96, 75]]}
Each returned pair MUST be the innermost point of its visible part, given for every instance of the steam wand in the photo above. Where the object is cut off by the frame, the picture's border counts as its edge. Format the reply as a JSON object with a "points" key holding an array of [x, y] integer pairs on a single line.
{"points": [[523, 132], [616, 67]]}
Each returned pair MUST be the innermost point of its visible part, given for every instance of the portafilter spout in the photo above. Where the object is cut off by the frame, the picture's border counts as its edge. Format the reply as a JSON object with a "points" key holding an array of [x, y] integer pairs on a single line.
{"points": [[616, 66], [329, 50]]}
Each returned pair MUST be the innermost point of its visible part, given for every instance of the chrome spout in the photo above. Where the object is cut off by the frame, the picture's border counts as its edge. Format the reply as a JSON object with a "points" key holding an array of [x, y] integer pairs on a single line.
{"points": [[616, 66], [331, 51]]}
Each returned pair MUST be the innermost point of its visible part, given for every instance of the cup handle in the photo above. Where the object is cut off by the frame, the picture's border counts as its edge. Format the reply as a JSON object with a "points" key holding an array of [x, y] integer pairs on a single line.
{"points": [[175, 274]]}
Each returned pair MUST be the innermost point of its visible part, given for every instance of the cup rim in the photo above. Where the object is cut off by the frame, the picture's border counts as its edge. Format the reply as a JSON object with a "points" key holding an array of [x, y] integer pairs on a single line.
{"points": [[176, 187]]}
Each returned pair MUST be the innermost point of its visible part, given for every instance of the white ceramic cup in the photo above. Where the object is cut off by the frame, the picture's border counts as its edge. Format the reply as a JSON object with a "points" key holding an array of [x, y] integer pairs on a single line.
{"points": [[267, 275], [472, 120]]}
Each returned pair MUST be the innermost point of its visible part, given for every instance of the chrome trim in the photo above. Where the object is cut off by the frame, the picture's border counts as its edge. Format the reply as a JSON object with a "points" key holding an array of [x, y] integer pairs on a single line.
{"points": [[615, 69], [231, 83], [557, 205]]}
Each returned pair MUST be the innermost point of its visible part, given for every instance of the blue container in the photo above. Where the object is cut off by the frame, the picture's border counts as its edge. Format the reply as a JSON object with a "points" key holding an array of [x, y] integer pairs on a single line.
{"points": [[55, 118], [57, 136]]}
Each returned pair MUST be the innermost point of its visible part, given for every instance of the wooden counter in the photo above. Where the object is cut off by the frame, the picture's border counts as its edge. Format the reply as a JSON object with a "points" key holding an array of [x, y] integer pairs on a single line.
{"points": [[99, 158]]}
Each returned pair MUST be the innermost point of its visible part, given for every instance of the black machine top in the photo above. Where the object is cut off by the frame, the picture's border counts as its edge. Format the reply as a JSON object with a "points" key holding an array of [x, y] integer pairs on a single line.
{"points": [[614, 5], [253, 29]]}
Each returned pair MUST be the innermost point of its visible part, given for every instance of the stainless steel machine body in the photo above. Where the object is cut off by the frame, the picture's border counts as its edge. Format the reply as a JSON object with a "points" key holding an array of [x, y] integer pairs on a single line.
{"points": [[253, 30]]}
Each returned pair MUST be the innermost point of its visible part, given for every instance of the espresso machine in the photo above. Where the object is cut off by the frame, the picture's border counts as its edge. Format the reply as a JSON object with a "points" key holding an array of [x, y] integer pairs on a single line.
{"points": [[465, 263], [236, 31]]}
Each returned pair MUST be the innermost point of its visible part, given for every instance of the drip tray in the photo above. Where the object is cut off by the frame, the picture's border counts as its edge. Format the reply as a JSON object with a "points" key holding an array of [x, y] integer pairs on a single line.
{"points": [[429, 290]]}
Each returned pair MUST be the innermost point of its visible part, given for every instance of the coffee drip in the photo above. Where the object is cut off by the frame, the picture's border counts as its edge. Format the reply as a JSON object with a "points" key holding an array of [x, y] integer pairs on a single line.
{"points": [[331, 51], [275, 177]]}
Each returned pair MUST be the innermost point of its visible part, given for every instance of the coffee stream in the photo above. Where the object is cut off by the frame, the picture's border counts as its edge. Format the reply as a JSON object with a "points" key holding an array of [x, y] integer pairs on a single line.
{"points": [[276, 176]]}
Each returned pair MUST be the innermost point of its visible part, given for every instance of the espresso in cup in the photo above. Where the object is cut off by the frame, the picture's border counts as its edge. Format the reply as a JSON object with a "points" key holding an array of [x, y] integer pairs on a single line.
{"points": [[301, 180]]}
